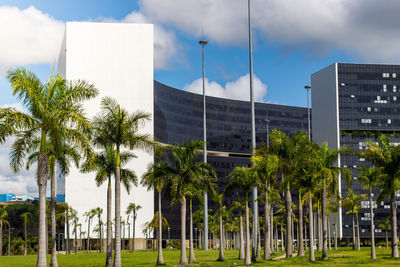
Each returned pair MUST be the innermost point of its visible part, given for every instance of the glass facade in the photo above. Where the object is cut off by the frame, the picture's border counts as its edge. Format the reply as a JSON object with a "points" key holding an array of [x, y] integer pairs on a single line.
{"points": [[178, 118], [368, 104]]}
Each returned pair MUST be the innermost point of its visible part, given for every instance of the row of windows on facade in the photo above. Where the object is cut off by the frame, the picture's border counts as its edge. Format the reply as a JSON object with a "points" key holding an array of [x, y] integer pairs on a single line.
{"points": [[379, 99], [369, 121], [387, 75]]}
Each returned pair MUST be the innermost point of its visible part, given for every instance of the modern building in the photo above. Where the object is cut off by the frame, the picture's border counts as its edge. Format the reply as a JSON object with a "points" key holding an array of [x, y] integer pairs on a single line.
{"points": [[351, 104]]}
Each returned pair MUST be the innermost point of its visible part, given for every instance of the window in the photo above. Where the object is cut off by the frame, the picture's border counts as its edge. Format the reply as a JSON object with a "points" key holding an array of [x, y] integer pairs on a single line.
{"points": [[389, 121], [365, 120], [394, 88], [385, 75], [352, 96], [362, 159], [369, 109], [342, 84], [395, 98], [384, 87], [378, 97], [394, 75]]}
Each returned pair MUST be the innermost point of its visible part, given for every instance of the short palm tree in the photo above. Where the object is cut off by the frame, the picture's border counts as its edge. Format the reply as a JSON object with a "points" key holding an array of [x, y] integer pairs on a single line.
{"points": [[218, 198], [384, 225], [104, 163], [352, 202], [89, 216], [244, 179], [267, 167], [370, 179], [54, 113], [120, 129], [156, 177], [63, 214], [98, 212], [386, 155], [3, 216], [186, 171], [133, 208], [25, 216], [74, 217], [238, 205]]}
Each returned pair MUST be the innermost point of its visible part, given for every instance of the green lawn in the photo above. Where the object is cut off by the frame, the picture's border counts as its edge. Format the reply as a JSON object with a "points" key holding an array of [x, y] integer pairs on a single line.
{"points": [[343, 257]]}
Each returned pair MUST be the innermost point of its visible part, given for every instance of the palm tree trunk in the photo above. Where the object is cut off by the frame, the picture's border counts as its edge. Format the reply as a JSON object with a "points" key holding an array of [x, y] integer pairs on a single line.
{"points": [[133, 230], [267, 240], [117, 254], [67, 222], [319, 225], [258, 241], [336, 244], [247, 259], [305, 237], [221, 246], [1, 237], [76, 238], [300, 232], [101, 233], [276, 238], [183, 260], [358, 233], [42, 181], [373, 255], [311, 222], [289, 242], [192, 258], [324, 224], [160, 259], [329, 233], [25, 237], [241, 237], [354, 234], [53, 261], [393, 208], [109, 261], [271, 229], [387, 240], [282, 238]]}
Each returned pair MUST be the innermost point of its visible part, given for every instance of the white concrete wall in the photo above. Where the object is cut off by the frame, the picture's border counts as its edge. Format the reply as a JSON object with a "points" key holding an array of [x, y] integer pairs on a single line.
{"points": [[118, 59], [325, 115]]}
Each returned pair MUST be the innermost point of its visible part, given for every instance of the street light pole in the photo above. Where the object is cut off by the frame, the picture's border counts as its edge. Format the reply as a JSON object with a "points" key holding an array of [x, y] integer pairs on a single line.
{"points": [[308, 88], [253, 138], [205, 196], [267, 121]]}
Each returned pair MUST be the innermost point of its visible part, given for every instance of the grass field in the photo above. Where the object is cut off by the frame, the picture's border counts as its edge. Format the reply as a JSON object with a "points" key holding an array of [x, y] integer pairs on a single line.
{"points": [[343, 257]]}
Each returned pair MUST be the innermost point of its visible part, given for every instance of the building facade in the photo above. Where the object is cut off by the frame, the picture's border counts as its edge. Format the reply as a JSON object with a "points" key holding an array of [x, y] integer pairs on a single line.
{"points": [[352, 103]]}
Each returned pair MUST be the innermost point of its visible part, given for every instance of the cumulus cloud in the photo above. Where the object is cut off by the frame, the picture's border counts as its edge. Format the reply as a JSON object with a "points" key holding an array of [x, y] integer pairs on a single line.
{"points": [[238, 89], [165, 42], [367, 29], [28, 36]]}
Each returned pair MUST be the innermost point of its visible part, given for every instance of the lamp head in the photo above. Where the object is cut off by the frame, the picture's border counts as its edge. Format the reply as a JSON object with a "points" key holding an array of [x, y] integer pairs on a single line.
{"points": [[307, 87], [203, 42]]}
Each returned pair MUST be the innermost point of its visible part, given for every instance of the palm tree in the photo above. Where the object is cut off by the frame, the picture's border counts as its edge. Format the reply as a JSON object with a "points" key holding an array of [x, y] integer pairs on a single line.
{"points": [[218, 199], [327, 160], [386, 155], [133, 208], [25, 216], [120, 129], [104, 164], [98, 212], [89, 216], [238, 205], [266, 166], [61, 154], [54, 113], [74, 217], [3, 216], [384, 225], [351, 201], [155, 178], [244, 179], [63, 213], [371, 178], [185, 171]]}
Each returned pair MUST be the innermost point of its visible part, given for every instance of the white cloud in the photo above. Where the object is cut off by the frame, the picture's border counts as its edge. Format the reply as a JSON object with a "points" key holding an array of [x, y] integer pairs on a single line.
{"points": [[165, 42], [367, 29], [28, 36], [238, 89]]}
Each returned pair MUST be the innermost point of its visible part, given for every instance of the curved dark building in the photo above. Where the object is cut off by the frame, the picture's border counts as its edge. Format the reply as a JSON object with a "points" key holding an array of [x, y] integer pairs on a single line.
{"points": [[178, 118]]}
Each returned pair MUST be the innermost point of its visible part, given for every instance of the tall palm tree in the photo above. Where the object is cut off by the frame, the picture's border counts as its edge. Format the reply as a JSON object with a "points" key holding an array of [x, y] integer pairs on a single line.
{"points": [[155, 178], [54, 113], [352, 202], [120, 129], [60, 154], [89, 216], [267, 167], [25, 216], [238, 205], [133, 208], [3, 216], [244, 179], [218, 199], [384, 225], [185, 171], [370, 179], [387, 155], [104, 163]]}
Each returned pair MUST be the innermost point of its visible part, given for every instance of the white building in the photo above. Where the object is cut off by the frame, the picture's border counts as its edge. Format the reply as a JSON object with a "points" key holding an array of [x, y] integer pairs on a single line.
{"points": [[118, 59]]}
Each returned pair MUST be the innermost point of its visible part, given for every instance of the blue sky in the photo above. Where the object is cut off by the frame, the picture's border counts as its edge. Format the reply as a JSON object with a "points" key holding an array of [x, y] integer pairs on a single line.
{"points": [[292, 40]]}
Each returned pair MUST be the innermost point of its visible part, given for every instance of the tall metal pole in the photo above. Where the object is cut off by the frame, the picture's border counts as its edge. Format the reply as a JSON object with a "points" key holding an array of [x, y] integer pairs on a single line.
{"points": [[307, 87], [253, 138], [205, 196]]}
